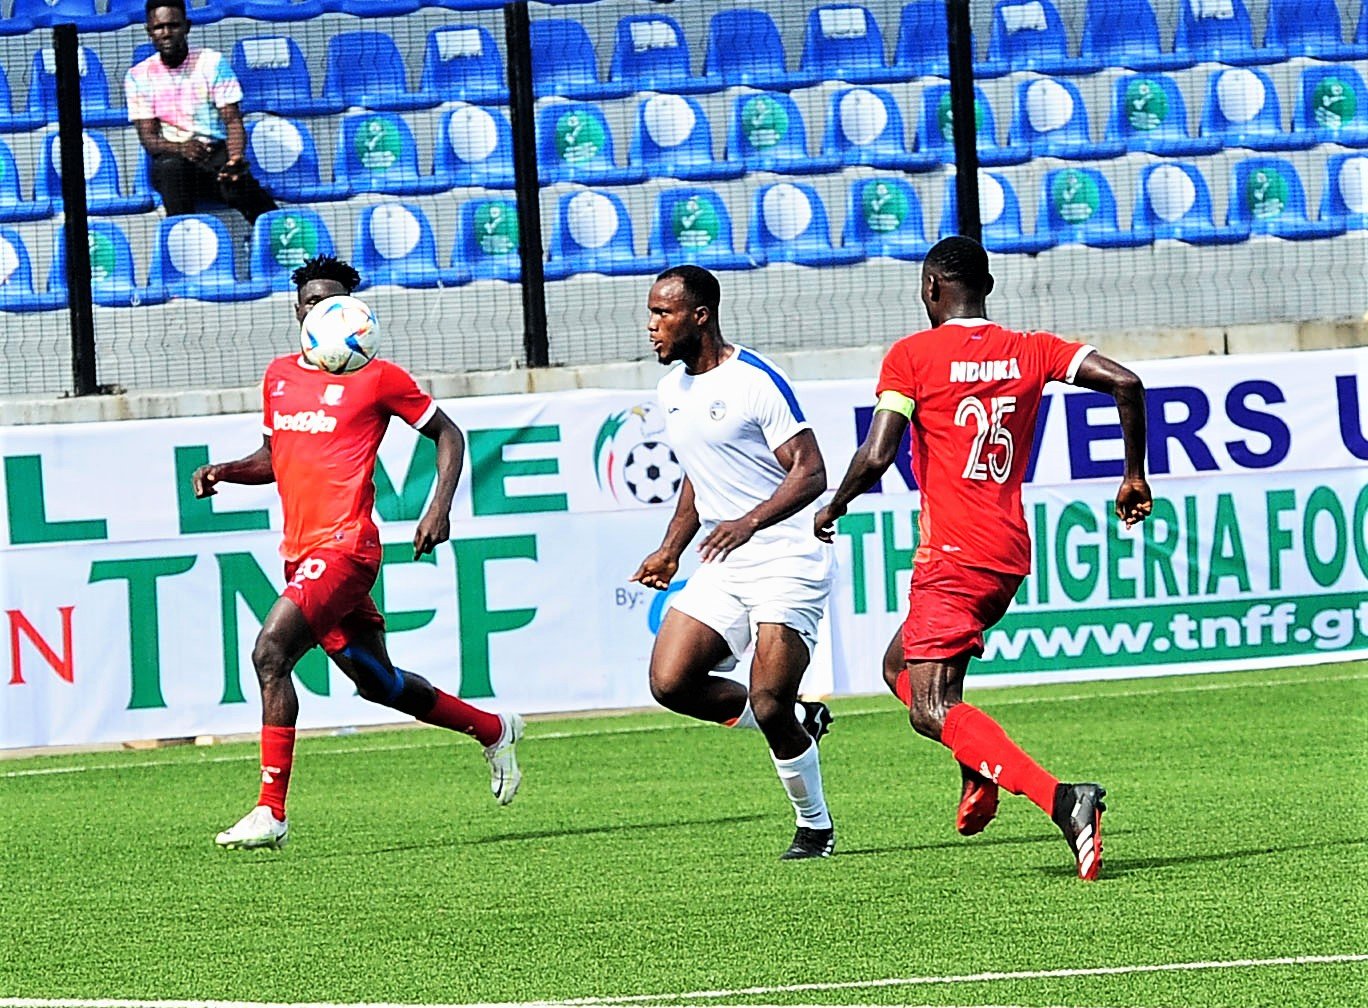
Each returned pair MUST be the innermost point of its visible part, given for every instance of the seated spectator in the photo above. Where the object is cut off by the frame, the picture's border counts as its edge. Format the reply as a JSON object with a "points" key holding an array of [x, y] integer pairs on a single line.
{"points": [[184, 103]]}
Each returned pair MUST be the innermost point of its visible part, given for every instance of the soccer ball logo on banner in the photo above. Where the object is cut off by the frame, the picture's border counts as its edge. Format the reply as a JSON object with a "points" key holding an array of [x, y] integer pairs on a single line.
{"points": [[632, 462]]}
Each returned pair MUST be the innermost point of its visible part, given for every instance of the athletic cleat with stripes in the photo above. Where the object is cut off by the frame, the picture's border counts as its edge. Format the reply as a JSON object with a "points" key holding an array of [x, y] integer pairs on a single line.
{"points": [[816, 718], [810, 843], [978, 805], [1078, 814], [258, 828], [504, 775]]}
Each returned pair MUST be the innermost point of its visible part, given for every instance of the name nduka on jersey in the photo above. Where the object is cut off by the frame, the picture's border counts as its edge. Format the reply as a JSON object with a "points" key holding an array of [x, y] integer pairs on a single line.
{"points": [[305, 421], [989, 370]]}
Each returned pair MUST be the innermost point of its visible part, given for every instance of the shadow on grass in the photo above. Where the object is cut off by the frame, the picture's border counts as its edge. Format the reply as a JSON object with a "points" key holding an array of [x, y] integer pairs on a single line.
{"points": [[1114, 867], [963, 843]]}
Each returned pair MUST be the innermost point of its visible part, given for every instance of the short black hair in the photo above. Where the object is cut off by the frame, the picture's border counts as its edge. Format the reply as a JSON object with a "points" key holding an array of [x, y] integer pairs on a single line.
{"points": [[326, 267], [701, 286], [152, 5], [960, 260]]}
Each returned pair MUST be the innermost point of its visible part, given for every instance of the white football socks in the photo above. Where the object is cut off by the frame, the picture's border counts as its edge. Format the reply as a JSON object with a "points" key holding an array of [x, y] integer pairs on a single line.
{"points": [[747, 718], [802, 779]]}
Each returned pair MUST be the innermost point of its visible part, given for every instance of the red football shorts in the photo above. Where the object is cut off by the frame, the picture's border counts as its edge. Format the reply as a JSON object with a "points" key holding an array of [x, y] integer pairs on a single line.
{"points": [[950, 606], [332, 589]]}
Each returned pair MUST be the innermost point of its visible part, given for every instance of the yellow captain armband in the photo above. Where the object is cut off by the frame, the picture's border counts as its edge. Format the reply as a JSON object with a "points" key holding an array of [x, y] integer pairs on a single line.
{"points": [[895, 402]]}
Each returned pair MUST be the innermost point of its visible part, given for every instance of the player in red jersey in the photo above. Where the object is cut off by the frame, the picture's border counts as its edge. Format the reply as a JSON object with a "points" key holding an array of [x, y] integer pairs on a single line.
{"points": [[321, 432], [970, 390]]}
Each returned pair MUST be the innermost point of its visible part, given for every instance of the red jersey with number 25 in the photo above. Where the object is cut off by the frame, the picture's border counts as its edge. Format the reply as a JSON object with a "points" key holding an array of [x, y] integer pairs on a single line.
{"points": [[325, 430], [975, 388]]}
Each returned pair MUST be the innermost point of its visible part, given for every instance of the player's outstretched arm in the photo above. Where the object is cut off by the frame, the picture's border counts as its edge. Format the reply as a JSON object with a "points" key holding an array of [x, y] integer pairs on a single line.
{"points": [[1102, 374], [657, 570], [254, 469], [435, 526], [804, 483], [867, 466]]}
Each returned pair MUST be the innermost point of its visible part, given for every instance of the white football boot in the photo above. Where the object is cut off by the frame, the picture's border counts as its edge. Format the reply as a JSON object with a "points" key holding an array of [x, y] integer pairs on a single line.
{"points": [[258, 828], [504, 775]]}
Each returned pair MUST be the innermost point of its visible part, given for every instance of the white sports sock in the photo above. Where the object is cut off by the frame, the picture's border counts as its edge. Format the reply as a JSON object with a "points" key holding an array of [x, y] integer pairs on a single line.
{"points": [[802, 779], [747, 716]]}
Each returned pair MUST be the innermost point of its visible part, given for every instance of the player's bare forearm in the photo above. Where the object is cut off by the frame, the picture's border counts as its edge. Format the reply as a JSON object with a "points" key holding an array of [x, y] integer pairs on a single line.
{"points": [[252, 470], [1102, 374], [435, 526], [805, 480], [867, 466], [658, 569]]}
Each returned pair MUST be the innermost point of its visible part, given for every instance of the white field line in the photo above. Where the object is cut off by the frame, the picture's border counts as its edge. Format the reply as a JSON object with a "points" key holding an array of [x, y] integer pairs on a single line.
{"points": [[538, 736]]}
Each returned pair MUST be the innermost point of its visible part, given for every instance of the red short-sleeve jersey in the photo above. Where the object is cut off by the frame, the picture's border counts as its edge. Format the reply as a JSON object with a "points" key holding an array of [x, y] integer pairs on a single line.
{"points": [[976, 388], [325, 430]]}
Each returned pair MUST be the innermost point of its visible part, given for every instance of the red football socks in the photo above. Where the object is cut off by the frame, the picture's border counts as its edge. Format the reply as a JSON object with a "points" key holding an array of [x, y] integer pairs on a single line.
{"points": [[902, 688], [449, 712], [277, 756], [979, 743]]}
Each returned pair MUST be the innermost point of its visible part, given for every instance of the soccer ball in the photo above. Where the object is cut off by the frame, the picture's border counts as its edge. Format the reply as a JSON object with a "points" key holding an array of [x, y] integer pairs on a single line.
{"points": [[652, 472], [340, 335]]}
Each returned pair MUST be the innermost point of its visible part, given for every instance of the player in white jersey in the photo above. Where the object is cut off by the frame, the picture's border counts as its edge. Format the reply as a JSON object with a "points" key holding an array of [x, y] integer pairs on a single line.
{"points": [[753, 471]]}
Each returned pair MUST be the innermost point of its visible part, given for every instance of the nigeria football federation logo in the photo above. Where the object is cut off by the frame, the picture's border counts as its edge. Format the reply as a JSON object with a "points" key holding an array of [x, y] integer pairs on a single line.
{"points": [[632, 462]]}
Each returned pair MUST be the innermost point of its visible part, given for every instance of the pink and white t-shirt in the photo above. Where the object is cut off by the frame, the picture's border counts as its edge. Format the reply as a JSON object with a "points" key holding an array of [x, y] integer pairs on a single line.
{"points": [[186, 98]]}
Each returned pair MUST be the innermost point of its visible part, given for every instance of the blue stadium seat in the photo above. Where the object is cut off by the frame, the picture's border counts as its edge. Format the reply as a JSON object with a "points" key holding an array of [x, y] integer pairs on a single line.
{"points": [[193, 258], [375, 8], [1125, 33], [1361, 32], [284, 159], [487, 241], [474, 148], [937, 130], [103, 195], [1174, 203], [789, 224], [745, 49], [14, 205], [1333, 106], [574, 144], [1218, 31], [1308, 28], [652, 54], [885, 219], [564, 64], [203, 13], [1345, 202], [17, 291], [1267, 197], [376, 153], [81, 13], [282, 240], [462, 63], [674, 140], [113, 283], [1148, 114], [395, 247], [767, 134], [274, 10], [923, 48], [275, 78], [95, 107], [999, 215], [694, 226], [1030, 35], [1077, 207], [10, 120], [865, 127], [843, 42], [366, 70], [593, 234], [1052, 121], [1242, 110]]}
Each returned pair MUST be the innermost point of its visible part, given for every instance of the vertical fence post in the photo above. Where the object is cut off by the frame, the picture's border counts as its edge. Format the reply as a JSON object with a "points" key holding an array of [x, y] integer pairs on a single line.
{"points": [[71, 131], [963, 113], [522, 113]]}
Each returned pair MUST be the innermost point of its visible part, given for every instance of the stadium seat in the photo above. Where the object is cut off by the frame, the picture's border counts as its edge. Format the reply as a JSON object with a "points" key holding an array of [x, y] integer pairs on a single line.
{"points": [[103, 195], [275, 78], [113, 283], [1148, 114], [1125, 33], [1242, 111], [193, 258], [1174, 202], [1030, 35], [202, 13], [395, 247], [1077, 207], [1308, 28], [1266, 197], [376, 153], [593, 234], [81, 13], [462, 63], [366, 70], [1218, 31], [767, 134], [652, 54], [1052, 121], [885, 219], [674, 140], [284, 159], [745, 49], [574, 144], [95, 107], [1361, 33], [274, 10], [1345, 202], [937, 134], [564, 64], [694, 226], [282, 240], [487, 241], [865, 127], [14, 205], [1333, 107], [923, 47], [474, 148], [999, 215], [17, 290], [789, 224], [10, 120], [375, 8], [843, 42]]}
